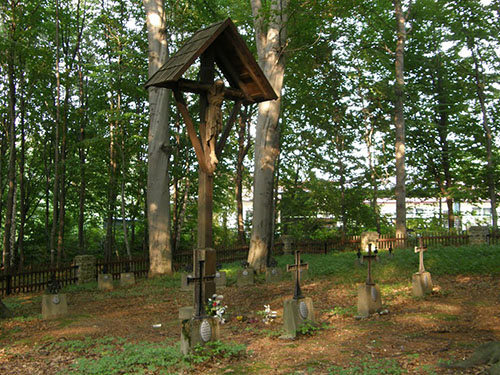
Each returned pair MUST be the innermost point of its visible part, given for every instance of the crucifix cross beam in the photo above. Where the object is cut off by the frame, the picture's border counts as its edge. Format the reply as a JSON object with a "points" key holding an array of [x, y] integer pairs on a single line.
{"points": [[199, 299], [420, 249], [297, 267], [370, 257]]}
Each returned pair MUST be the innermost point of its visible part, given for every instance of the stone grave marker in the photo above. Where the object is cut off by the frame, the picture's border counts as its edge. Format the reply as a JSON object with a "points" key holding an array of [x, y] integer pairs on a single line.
{"points": [[246, 275], [220, 277], [287, 243], [367, 239], [54, 304], [298, 309], [421, 280], [369, 299], [196, 326], [105, 280], [478, 235], [273, 273], [127, 278], [188, 272]]}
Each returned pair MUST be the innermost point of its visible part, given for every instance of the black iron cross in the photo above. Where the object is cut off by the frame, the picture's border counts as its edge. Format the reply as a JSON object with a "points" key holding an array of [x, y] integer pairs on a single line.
{"points": [[199, 299], [420, 249], [370, 257], [297, 267]]}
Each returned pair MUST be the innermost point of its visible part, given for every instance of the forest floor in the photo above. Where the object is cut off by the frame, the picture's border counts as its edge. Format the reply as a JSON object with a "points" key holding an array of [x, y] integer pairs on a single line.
{"points": [[416, 334]]}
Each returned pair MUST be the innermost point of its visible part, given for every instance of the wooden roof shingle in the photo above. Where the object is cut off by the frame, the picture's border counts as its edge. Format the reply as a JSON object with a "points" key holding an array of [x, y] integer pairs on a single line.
{"points": [[232, 56]]}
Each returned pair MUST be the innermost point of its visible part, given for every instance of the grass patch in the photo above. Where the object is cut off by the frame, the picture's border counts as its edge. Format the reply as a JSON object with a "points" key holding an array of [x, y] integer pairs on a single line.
{"points": [[369, 366]]}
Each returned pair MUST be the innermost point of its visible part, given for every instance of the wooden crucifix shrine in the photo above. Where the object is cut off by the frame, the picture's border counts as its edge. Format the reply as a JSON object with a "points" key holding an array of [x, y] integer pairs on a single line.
{"points": [[421, 280], [242, 81], [297, 267]]}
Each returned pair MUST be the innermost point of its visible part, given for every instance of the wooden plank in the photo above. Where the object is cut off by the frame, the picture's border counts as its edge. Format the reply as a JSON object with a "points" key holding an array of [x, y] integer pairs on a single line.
{"points": [[195, 141]]}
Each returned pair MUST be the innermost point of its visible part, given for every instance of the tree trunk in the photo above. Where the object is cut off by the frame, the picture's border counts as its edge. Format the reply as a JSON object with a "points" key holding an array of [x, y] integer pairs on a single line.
{"points": [[11, 135], [399, 121], [270, 48], [22, 179], [82, 156], [242, 152], [490, 167], [55, 192], [158, 193]]}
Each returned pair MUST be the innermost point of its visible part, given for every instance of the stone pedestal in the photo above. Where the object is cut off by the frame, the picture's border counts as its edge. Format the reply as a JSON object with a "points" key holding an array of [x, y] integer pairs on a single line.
{"points": [[245, 277], [220, 279], [86, 268], [105, 281], [127, 279], [295, 313], [54, 305], [184, 285], [287, 243], [478, 235], [369, 299], [196, 331], [421, 284], [273, 275]]}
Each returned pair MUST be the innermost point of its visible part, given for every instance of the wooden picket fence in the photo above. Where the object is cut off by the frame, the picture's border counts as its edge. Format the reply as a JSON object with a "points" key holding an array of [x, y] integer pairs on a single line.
{"points": [[35, 279], [139, 266]]}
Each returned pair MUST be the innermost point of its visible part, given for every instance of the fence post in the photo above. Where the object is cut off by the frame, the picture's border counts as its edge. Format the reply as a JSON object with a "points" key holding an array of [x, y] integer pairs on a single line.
{"points": [[9, 283], [86, 268]]}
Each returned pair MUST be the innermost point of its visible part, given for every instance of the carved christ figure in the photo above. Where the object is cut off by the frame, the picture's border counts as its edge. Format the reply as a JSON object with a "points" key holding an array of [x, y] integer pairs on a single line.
{"points": [[214, 117]]}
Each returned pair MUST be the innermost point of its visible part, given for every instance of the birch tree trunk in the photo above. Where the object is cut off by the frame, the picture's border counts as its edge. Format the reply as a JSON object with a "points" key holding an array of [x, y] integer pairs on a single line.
{"points": [[399, 122], [271, 39], [158, 194]]}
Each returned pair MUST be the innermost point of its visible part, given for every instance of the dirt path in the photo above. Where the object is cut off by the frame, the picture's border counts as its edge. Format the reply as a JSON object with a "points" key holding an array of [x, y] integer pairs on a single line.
{"points": [[461, 313]]}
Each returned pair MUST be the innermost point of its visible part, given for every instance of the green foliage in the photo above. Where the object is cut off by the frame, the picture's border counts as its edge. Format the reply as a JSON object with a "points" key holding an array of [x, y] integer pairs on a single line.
{"points": [[214, 350], [309, 327], [369, 366]]}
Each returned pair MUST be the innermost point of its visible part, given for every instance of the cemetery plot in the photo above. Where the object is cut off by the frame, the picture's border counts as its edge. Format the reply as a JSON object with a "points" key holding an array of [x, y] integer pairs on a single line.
{"points": [[141, 320]]}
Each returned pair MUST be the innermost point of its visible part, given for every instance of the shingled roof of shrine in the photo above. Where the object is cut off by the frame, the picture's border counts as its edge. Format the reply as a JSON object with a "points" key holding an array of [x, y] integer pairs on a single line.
{"points": [[232, 56]]}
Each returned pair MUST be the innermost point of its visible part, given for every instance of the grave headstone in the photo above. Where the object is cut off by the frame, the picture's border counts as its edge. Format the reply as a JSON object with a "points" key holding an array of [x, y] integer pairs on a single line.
{"points": [[105, 280], [422, 280], [196, 326], [287, 243], [54, 304], [245, 275], [273, 274], [478, 235], [367, 239], [184, 282], [299, 309], [127, 279], [369, 298], [220, 279], [85, 272]]}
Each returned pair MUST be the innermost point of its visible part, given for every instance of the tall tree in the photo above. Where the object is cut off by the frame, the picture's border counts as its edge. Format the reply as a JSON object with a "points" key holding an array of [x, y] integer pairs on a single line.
{"points": [[399, 120], [158, 193], [271, 39]]}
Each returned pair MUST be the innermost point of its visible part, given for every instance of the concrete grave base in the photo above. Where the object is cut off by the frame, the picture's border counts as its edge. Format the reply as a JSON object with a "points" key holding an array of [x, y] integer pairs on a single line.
{"points": [[369, 299], [105, 281], [220, 279], [245, 277], [421, 284], [127, 279], [194, 329], [295, 313], [273, 275], [54, 305], [184, 284]]}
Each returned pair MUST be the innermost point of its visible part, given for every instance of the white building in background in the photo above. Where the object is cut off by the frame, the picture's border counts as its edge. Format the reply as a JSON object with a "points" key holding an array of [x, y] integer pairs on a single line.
{"points": [[466, 214]]}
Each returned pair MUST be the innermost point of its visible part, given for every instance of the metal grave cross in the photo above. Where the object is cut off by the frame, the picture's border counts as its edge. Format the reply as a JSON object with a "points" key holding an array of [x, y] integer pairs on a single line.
{"points": [[297, 267], [369, 257], [420, 249], [199, 281]]}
